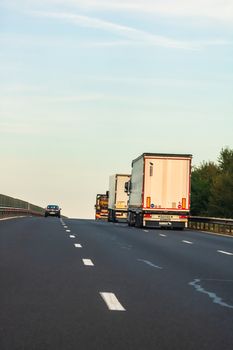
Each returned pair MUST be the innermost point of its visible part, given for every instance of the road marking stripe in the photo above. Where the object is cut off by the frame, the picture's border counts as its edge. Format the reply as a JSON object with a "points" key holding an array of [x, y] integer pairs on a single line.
{"points": [[12, 217], [145, 230], [150, 264], [188, 242], [77, 245], [214, 297], [72, 236], [126, 247], [112, 302], [162, 235], [88, 262], [67, 230], [223, 252]]}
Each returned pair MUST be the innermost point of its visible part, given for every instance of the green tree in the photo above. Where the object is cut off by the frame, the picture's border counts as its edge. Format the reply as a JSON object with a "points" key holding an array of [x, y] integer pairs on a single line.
{"points": [[225, 160], [203, 177], [221, 198]]}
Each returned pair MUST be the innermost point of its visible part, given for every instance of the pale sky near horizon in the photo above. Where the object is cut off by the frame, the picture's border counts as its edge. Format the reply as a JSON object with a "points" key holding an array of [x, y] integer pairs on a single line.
{"points": [[86, 86]]}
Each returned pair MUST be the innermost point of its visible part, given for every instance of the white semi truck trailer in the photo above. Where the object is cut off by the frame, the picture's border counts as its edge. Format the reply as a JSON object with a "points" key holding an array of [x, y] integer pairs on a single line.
{"points": [[159, 190], [118, 198]]}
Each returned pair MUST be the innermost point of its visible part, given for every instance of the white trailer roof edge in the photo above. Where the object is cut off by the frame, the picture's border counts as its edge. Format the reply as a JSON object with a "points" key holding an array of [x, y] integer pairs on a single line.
{"points": [[173, 155]]}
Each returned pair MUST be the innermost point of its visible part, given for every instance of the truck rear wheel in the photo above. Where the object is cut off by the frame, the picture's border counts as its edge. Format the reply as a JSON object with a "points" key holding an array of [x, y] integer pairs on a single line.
{"points": [[131, 221], [114, 216], [139, 220]]}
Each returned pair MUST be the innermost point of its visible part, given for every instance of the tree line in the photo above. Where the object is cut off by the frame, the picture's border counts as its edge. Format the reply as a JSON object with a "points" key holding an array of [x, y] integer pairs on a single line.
{"points": [[212, 187]]}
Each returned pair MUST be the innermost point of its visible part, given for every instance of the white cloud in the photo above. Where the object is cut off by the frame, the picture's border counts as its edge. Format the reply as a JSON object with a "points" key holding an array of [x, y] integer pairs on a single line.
{"points": [[163, 82], [211, 9], [20, 129], [78, 98], [21, 102], [130, 33], [18, 88], [215, 9], [19, 40]]}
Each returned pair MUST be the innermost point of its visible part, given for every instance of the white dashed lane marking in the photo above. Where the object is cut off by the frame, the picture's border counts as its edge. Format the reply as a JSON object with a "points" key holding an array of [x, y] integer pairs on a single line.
{"points": [[77, 245], [223, 252], [87, 262], [67, 230], [187, 242], [145, 230], [72, 236], [162, 235], [112, 302]]}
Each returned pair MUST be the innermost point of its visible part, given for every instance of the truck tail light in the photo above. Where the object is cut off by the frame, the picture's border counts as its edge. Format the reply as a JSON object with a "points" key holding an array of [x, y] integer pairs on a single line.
{"points": [[147, 216], [183, 216], [148, 202], [183, 203]]}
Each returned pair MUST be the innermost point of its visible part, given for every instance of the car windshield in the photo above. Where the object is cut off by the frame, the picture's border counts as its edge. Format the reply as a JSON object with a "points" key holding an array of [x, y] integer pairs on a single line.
{"points": [[52, 207]]}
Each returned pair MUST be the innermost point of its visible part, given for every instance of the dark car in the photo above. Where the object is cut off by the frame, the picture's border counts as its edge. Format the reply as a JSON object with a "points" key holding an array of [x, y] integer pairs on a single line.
{"points": [[52, 210]]}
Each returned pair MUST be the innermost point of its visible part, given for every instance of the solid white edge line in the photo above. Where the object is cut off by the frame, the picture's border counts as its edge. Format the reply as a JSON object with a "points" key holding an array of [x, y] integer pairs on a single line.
{"points": [[188, 242], [212, 233], [224, 252], [112, 302], [77, 245], [87, 262]]}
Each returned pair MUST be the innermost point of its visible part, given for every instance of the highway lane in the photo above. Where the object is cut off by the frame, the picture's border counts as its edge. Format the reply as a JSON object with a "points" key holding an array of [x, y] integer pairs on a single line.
{"points": [[172, 290]]}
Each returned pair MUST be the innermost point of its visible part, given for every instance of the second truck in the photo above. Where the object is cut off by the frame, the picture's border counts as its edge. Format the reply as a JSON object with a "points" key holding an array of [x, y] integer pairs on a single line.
{"points": [[118, 198]]}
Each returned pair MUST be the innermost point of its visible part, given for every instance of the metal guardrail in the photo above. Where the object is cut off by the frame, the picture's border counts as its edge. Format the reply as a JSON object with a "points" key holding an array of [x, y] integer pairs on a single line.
{"points": [[15, 207], [216, 225], [10, 212]]}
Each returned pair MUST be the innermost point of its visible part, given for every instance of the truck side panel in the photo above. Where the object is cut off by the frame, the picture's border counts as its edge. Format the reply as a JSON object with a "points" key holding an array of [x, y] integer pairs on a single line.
{"points": [[136, 191], [112, 192]]}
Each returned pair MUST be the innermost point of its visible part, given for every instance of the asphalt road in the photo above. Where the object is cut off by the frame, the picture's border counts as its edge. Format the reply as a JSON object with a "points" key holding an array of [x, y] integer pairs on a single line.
{"points": [[113, 287]]}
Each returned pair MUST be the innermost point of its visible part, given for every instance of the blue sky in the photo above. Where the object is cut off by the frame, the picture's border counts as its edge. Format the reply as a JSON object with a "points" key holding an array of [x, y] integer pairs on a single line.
{"points": [[87, 86]]}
